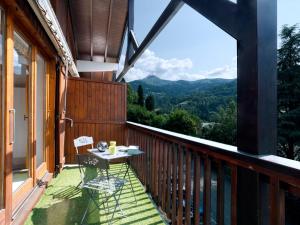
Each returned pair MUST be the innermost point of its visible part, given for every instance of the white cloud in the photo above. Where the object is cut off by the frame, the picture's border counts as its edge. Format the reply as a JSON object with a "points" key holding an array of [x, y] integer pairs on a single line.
{"points": [[174, 69]]}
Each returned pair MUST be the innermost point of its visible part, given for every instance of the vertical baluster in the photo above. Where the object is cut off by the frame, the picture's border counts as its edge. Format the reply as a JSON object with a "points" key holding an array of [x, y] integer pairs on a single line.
{"points": [[220, 194], [169, 172], [139, 159], [180, 185], [207, 190], [135, 161], [134, 158], [233, 195], [153, 166], [150, 162], [142, 158], [282, 207], [132, 141], [174, 184], [164, 177], [136, 141], [276, 202], [145, 159], [159, 171], [188, 187], [147, 164], [197, 176], [155, 169]]}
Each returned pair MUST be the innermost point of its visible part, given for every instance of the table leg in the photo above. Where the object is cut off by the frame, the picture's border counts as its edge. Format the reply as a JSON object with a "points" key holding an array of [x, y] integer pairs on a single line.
{"points": [[130, 181]]}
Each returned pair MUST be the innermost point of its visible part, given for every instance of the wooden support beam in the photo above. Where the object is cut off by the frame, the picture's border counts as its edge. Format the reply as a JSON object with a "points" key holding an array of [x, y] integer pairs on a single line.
{"points": [[222, 13], [133, 40], [160, 24], [256, 99], [108, 28], [91, 30], [257, 77], [130, 26]]}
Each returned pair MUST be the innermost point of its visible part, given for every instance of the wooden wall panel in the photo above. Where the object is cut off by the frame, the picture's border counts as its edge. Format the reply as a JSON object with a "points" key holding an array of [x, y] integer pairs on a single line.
{"points": [[98, 109]]}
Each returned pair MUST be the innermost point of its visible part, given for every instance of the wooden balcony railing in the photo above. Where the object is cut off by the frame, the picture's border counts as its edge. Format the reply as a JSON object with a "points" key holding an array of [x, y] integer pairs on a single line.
{"points": [[195, 181]]}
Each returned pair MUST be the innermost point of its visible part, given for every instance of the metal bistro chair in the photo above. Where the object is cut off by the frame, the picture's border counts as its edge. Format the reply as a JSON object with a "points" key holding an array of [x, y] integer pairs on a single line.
{"points": [[104, 184]]}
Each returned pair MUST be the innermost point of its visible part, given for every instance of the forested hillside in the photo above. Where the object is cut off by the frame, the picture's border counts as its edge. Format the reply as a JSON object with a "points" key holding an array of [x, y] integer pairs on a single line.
{"points": [[201, 98]]}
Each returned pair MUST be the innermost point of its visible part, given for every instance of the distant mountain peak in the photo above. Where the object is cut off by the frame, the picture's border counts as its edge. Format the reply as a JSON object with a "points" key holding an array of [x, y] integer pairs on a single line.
{"points": [[151, 77], [152, 80]]}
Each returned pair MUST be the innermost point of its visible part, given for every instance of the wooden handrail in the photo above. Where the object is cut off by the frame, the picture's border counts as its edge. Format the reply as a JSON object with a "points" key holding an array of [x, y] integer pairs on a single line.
{"points": [[287, 167]]}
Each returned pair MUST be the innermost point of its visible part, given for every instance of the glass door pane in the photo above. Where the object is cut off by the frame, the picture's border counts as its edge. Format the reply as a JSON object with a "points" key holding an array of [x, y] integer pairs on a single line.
{"points": [[21, 151], [40, 110]]}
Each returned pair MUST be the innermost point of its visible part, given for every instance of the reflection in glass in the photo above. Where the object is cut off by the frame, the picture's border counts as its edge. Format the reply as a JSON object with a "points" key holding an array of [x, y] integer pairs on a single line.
{"points": [[40, 110], [21, 153]]}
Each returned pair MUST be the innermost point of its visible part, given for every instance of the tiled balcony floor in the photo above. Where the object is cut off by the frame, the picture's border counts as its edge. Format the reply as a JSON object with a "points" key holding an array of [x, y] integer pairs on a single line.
{"points": [[64, 204]]}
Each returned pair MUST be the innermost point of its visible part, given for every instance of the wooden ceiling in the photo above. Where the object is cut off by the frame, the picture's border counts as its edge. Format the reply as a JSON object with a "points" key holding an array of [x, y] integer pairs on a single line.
{"points": [[98, 28]]}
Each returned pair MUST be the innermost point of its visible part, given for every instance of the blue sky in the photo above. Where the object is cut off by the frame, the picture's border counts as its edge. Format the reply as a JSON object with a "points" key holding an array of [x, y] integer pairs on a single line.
{"points": [[191, 47]]}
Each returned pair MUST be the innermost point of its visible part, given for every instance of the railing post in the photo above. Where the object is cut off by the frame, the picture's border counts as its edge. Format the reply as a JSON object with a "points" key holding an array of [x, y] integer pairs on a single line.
{"points": [[256, 97]]}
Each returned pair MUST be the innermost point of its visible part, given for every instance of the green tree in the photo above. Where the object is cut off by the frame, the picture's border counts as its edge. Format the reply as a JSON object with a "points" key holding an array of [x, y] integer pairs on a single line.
{"points": [[224, 128], [289, 52], [131, 95], [289, 92], [139, 114], [149, 103], [140, 93], [183, 122]]}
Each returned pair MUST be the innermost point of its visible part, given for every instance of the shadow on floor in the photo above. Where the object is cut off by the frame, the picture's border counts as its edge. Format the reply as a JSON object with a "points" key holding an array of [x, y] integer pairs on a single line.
{"points": [[64, 204]]}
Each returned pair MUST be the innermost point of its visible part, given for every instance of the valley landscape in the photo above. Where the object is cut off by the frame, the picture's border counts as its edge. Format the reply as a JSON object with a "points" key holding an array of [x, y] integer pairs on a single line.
{"points": [[201, 97]]}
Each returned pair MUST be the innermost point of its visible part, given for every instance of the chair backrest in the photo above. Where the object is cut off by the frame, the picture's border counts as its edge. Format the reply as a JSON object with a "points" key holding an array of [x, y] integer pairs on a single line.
{"points": [[83, 141]]}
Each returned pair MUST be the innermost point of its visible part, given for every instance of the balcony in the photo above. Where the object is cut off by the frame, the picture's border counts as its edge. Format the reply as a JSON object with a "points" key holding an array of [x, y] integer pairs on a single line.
{"points": [[180, 179], [190, 181]]}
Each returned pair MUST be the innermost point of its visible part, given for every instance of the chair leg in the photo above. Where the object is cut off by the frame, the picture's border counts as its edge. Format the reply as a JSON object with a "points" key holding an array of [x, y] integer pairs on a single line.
{"points": [[106, 201], [117, 204], [78, 185], [91, 194], [85, 212], [92, 198]]}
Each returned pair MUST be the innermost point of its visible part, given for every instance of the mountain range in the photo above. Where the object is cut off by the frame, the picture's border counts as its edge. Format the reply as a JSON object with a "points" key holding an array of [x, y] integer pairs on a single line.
{"points": [[154, 85], [200, 97]]}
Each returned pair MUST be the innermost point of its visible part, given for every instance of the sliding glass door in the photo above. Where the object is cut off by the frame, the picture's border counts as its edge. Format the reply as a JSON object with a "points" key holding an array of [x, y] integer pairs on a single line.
{"points": [[21, 147], [27, 109]]}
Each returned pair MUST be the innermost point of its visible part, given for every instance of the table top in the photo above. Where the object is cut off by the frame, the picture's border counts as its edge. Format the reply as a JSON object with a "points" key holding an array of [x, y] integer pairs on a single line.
{"points": [[119, 155]]}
